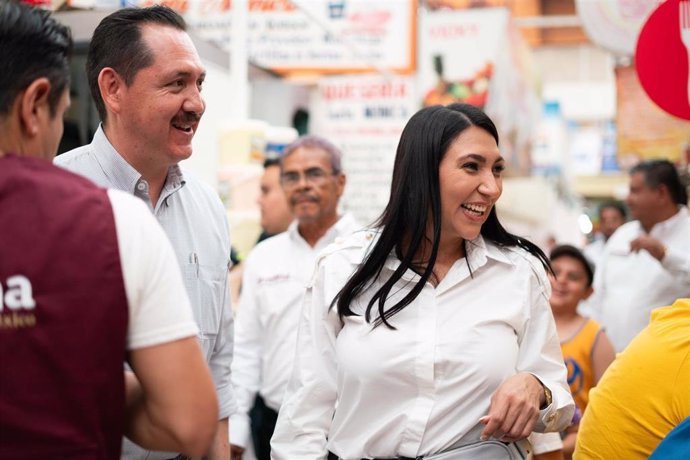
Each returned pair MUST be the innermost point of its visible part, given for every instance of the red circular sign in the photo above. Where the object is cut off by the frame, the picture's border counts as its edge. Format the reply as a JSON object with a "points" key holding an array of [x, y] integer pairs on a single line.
{"points": [[662, 57]]}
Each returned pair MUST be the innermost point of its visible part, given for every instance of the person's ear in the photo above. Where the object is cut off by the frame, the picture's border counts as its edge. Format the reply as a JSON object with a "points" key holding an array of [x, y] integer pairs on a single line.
{"points": [[588, 292], [341, 180], [111, 86], [663, 192], [34, 106]]}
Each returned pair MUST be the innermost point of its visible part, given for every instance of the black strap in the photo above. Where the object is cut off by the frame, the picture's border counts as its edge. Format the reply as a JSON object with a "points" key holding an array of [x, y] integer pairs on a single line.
{"points": [[332, 456]]}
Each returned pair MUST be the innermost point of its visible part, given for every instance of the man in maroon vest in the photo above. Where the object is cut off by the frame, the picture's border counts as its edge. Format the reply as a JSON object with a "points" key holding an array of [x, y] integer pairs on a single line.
{"points": [[87, 281]]}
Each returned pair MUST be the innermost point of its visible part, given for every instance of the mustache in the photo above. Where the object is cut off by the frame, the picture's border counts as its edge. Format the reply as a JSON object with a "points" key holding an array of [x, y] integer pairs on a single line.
{"points": [[187, 117], [303, 196]]}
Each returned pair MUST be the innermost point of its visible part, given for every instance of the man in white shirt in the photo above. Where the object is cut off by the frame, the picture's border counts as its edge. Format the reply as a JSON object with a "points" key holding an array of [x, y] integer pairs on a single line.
{"points": [[611, 216], [275, 275], [646, 263], [275, 212], [275, 218]]}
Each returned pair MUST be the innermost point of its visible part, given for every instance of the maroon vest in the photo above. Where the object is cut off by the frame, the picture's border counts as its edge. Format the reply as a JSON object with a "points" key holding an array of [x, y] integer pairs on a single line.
{"points": [[63, 316]]}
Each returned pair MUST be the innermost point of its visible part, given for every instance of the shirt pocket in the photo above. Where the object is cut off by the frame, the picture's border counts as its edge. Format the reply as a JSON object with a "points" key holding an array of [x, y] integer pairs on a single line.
{"points": [[206, 288], [281, 304]]}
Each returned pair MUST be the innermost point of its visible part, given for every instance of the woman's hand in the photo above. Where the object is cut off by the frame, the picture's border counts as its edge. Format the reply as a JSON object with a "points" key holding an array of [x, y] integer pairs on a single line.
{"points": [[236, 452], [514, 408]]}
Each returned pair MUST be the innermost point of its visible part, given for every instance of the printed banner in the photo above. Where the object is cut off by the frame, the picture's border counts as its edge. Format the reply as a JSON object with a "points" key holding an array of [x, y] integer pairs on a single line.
{"points": [[457, 52], [324, 36], [330, 35], [364, 116], [477, 57]]}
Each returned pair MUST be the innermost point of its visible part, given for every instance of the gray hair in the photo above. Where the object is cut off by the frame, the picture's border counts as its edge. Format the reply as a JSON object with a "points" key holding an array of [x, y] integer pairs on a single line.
{"points": [[316, 142]]}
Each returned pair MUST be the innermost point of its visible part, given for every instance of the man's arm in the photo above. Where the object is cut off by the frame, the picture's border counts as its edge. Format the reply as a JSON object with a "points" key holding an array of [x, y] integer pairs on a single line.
{"points": [[221, 360], [675, 260], [220, 447], [171, 402], [220, 368], [170, 396]]}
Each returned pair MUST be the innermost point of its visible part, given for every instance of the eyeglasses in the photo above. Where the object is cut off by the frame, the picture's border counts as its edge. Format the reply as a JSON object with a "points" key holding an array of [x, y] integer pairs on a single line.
{"points": [[314, 176]]}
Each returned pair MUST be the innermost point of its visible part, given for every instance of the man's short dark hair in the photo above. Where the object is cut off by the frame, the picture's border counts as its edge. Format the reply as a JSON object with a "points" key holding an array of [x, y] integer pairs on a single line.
{"points": [[566, 250], [662, 172], [268, 162], [117, 43], [617, 205], [32, 45]]}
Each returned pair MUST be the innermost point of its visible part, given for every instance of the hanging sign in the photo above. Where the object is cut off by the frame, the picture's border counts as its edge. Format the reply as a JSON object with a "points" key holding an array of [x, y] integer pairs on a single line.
{"points": [[662, 57], [614, 24]]}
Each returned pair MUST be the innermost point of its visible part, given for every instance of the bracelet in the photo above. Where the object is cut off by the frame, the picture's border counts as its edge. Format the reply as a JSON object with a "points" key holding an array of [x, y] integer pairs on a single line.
{"points": [[548, 397]]}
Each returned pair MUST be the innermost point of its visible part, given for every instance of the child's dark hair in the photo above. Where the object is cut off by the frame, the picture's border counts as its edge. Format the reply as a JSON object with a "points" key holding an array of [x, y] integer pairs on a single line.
{"points": [[564, 250]]}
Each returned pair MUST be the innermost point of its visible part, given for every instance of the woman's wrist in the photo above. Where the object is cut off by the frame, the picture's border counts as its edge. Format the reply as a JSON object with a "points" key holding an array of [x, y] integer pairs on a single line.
{"points": [[545, 396]]}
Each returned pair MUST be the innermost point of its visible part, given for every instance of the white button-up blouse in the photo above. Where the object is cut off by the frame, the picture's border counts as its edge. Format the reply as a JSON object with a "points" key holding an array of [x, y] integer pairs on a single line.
{"points": [[364, 392]]}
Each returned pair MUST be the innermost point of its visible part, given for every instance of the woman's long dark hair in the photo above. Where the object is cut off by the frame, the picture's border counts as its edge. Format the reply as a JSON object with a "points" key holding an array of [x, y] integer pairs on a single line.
{"points": [[415, 198]]}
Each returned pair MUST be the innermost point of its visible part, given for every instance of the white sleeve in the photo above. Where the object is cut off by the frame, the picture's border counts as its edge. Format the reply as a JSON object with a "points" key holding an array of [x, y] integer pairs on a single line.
{"points": [[221, 357], [677, 262], [159, 309], [595, 301], [309, 403], [540, 354], [246, 364], [545, 442]]}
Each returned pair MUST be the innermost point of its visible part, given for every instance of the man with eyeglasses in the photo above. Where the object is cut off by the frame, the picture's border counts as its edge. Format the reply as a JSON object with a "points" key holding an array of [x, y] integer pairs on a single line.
{"points": [[276, 272]]}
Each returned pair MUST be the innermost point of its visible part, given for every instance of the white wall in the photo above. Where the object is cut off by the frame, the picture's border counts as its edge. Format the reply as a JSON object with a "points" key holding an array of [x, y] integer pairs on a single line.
{"points": [[218, 95], [530, 207], [274, 100], [581, 78]]}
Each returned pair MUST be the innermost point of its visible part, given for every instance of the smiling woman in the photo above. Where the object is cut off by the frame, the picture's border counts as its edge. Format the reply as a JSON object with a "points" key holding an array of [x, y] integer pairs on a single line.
{"points": [[432, 331]]}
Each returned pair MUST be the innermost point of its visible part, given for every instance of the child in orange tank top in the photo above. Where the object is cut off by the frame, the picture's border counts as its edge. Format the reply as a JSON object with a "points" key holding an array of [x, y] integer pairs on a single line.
{"points": [[586, 349]]}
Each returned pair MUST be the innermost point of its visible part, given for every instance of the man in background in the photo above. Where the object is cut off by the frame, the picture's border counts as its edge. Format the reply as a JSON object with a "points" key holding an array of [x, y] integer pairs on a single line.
{"points": [[146, 77], [87, 279], [276, 272], [275, 212], [275, 218], [646, 262], [611, 216]]}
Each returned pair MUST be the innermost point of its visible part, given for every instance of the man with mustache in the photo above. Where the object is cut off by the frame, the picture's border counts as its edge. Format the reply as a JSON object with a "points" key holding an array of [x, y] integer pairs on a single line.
{"points": [[146, 76], [276, 272]]}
